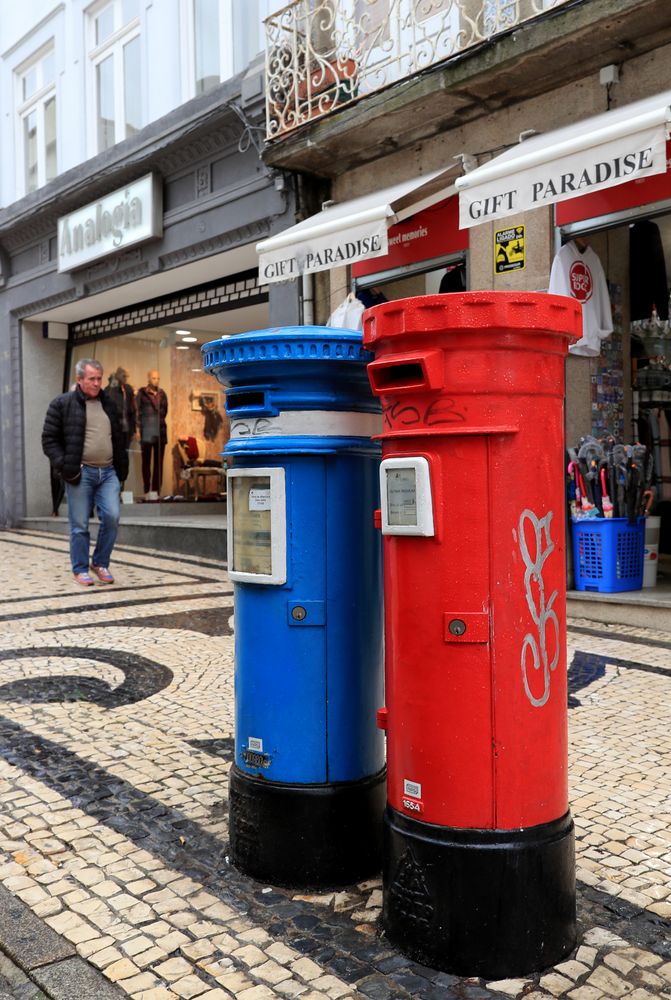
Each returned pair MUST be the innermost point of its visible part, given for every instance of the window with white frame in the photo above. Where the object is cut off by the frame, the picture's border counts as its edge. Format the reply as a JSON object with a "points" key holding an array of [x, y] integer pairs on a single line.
{"points": [[224, 36], [114, 64], [36, 88]]}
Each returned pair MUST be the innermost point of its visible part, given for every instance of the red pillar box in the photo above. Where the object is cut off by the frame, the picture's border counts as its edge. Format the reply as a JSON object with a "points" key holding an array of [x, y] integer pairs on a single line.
{"points": [[479, 874]]}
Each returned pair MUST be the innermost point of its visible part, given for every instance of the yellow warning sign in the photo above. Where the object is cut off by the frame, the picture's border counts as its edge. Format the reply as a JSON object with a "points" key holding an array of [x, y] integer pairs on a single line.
{"points": [[509, 250]]}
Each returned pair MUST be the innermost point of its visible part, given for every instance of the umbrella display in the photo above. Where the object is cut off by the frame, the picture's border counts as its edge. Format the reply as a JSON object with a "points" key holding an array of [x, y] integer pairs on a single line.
{"points": [[609, 479]]}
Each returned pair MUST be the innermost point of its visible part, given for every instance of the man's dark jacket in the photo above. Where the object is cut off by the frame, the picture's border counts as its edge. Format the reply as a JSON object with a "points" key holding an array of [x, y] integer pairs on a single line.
{"points": [[64, 430]]}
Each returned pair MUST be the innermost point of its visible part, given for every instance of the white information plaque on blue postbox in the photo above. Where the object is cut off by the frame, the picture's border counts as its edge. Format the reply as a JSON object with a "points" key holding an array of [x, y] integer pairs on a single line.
{"points": [[405, 493], [257, 526]]}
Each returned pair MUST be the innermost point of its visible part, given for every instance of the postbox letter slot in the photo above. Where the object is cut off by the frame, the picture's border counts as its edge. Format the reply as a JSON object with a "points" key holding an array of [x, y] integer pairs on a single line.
{"points": [[252, 399], [407, 373], [401, 376]]}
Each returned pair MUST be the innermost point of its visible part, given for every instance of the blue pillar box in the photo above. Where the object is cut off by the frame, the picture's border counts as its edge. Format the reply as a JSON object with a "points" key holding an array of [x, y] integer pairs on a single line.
{"points": [[307, 787]]}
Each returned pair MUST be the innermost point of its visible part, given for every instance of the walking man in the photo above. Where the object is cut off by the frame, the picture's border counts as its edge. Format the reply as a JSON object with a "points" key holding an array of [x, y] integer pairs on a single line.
{"points": [[83, 440]]}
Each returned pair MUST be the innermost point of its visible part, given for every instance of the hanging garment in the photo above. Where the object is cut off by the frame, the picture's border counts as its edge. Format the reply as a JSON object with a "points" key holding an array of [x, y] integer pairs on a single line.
{"points": [[647, 272], [653, 420], [664, 487], [581, 276], [213, 420]]}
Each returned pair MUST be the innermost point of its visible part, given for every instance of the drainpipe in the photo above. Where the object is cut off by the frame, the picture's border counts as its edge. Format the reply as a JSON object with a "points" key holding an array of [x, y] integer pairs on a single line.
{"points": [[308, 300]]}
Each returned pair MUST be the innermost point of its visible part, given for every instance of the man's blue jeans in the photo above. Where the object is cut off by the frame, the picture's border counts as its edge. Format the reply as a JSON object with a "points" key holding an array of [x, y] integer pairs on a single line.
{"points": [[97, 488]]}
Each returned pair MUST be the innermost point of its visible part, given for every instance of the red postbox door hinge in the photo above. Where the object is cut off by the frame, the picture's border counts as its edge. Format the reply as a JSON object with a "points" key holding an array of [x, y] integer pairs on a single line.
{"points": [[466, 626]]}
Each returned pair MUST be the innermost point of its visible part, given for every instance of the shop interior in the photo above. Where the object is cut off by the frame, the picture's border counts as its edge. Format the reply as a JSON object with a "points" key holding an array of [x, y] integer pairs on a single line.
{"points": [[189, 466], [629, 383], [625, 392], [444, 274]]}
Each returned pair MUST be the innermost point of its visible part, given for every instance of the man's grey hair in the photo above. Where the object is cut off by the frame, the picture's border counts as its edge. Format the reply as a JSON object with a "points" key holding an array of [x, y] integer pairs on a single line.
{"points": [[84, 363]]}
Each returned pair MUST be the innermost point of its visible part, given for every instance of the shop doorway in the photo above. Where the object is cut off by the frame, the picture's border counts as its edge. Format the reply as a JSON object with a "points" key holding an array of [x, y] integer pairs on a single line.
{"points": [[626, 391]]}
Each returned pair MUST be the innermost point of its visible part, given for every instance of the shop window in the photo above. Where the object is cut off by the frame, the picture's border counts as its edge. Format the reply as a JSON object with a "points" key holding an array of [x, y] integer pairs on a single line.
{"points": [[37, 120], [222, 38], [115, 65]]}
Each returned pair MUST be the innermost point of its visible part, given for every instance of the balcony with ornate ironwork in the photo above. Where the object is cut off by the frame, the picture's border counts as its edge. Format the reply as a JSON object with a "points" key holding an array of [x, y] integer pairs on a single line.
{"points": [[348, 81], [322, 55]]}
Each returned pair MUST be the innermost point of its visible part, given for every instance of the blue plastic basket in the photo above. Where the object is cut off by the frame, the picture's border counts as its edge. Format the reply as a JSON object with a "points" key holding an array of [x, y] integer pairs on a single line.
{"points": [[608, 554]]}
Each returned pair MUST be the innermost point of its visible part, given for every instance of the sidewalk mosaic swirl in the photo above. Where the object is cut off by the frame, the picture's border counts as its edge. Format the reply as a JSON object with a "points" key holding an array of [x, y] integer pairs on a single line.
{"points": [[116, 737]]}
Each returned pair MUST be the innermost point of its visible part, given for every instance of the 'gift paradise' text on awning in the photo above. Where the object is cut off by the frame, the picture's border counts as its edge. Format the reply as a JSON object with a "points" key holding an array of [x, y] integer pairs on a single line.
{"points": [[306, 259], [522, 188]]}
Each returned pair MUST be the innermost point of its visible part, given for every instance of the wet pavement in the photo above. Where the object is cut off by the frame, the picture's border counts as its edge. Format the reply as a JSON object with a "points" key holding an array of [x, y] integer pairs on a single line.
{"points": [[116, 737]]}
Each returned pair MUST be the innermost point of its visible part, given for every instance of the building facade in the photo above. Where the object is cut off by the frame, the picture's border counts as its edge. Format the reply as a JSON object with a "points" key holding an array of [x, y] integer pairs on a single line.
{"points": [[133, 194], [409, 94]]}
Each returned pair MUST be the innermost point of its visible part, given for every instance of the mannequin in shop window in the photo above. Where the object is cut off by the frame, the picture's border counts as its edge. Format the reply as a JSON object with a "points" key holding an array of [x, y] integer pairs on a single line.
{"points": [[122, 395], [152, 409]]}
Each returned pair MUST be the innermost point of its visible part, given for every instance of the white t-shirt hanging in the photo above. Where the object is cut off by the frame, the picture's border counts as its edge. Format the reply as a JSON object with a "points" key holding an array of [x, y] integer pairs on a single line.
{"points": [[581, 276]]}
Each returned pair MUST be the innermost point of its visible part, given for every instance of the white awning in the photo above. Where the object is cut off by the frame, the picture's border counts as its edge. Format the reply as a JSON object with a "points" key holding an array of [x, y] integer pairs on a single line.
{"points": [[353, 230], [621, 145]]}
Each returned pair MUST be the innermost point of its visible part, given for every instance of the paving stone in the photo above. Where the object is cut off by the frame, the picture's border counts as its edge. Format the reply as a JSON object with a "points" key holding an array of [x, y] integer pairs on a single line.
{"points": [[140, 983], [271, 972], [137, 944], [86, 948], [199, 949], [555, 983], [585, 993], [106, 956], [619, 963], [291, 988], [121, 969], [157, 993], [607, 981], [26, 938], [234, 982], [306, 969], [174, 968], [73, 977], [257, 993], [189, 986], [510, 987], [173, 941], [134, 805], [249, 955]]}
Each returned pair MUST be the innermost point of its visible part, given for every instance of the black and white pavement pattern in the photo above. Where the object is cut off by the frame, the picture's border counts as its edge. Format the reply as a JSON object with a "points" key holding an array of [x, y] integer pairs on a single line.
{"points": [[116, 737]]}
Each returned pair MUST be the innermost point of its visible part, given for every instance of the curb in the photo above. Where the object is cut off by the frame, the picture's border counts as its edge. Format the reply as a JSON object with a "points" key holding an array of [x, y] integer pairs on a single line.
{"points": [[49, 960]]}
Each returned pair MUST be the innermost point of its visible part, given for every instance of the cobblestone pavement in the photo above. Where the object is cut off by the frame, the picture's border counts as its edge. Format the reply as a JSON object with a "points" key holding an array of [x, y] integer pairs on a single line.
{"points": [[116, 735]]}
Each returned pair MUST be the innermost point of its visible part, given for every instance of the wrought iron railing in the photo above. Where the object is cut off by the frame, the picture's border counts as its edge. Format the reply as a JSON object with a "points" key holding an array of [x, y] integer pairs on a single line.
{"points": [[324, 54]]}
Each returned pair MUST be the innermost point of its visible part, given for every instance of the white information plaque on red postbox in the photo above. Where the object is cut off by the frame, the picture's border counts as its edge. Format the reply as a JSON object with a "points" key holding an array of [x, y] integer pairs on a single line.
{"points": [[405, 493]]}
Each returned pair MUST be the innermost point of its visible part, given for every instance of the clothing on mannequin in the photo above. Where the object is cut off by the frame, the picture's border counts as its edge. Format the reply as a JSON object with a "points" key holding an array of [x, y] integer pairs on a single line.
{"points": [[577, 272], [152, 409], [122, 395]]}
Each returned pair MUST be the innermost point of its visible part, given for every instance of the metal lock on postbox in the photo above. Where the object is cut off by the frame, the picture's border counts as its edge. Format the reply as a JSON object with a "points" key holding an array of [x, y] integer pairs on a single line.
{"points": [[472, 516], [308, 782]]}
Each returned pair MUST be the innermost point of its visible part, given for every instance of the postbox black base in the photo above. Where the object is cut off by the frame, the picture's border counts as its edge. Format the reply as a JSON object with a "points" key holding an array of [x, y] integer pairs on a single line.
{"points": [[306, 836], [491, 903]]}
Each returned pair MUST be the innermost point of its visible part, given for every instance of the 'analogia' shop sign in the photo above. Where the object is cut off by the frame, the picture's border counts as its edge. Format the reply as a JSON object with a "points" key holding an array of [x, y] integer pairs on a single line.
{"points": [[119, 220]]}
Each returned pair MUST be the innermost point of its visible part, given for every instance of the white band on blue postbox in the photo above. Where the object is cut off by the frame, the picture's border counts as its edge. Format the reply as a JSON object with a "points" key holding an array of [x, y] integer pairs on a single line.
{"points": [[257, 525], [311, 423], [405, 494]]}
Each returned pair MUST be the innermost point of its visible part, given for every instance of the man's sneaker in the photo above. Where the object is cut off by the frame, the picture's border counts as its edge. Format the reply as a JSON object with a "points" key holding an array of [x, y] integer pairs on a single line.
{"points": [[102, 573], [84, 579]]}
